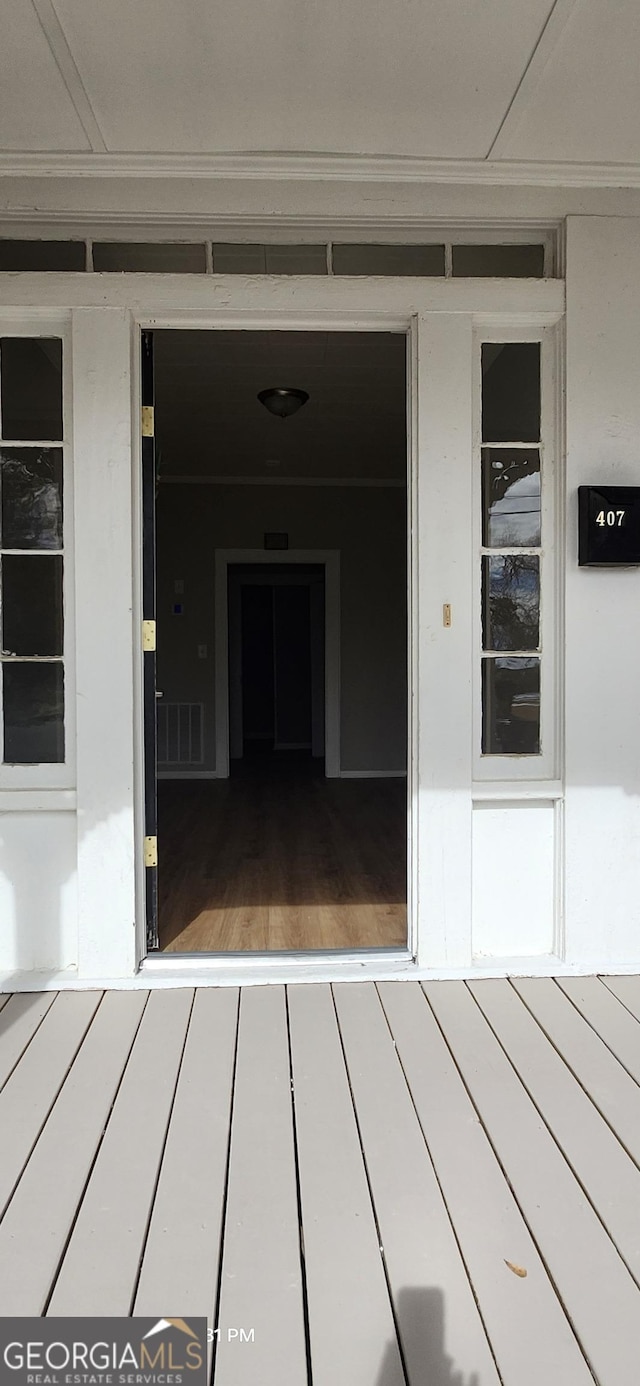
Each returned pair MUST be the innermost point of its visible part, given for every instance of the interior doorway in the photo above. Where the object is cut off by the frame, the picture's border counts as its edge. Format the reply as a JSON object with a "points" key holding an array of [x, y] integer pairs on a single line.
{"points": [[280, 550]]}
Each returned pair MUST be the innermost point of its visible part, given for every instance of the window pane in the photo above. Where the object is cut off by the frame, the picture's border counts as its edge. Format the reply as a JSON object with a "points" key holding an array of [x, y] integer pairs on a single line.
{"points": [[510, 498], [499, 261], [511, 707], [32, 605], [33, 714], [159, 258], [42, 255], [511, 602], [31, 489], [510, 392], [31, 387], [417, 260], [269, 259]]}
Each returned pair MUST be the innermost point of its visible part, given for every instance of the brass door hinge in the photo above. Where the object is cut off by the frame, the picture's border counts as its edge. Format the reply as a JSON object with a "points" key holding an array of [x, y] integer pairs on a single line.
{"points": [[147, 421], [151, 851], [148, 636]]}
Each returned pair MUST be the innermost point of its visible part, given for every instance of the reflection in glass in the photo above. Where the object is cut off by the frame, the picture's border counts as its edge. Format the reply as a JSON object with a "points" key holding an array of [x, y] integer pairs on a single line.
{"points": [[31, 490], [31, 605], [511, 707], [33, 702], [511, 602], [511, 498], [31, 388], [510, 392]]}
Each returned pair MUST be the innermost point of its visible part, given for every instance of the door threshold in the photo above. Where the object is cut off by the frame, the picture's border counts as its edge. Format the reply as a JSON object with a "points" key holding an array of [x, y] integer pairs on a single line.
{"points": [[241, 969]]}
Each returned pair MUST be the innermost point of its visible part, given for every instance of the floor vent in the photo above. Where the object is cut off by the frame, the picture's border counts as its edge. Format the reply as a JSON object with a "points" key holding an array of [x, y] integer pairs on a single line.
{"points": [[180, 738]]}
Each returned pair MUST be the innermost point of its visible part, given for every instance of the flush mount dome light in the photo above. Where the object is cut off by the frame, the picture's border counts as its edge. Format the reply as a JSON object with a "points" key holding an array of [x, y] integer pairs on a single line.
{"points": [[282, 401]]}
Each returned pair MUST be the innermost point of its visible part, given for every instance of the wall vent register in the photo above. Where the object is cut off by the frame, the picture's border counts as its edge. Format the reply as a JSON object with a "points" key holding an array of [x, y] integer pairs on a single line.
{"points": [[31, 551]]}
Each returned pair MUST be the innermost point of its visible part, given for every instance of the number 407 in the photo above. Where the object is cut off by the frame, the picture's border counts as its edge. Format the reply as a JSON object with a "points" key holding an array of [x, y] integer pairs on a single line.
{"points": [[610, 519]]}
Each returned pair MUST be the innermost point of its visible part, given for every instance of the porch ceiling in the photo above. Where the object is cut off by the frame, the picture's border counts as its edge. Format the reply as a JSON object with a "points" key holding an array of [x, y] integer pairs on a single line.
{"points": [[508, 80]]}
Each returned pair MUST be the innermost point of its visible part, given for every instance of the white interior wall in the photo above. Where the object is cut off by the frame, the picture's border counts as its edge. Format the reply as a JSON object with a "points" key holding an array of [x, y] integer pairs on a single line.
{"points": [[367, 525]]}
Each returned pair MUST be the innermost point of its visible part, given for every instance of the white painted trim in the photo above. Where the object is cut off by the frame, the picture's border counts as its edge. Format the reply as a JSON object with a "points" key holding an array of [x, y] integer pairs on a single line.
{"points": [[383, 483], [373, 775], [330, 560], [340, 304], [37, 800], [339, 168]]}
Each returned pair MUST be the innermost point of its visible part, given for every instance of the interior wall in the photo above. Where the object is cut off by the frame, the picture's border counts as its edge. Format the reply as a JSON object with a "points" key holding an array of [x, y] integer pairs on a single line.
{"points": [[367, 525]]}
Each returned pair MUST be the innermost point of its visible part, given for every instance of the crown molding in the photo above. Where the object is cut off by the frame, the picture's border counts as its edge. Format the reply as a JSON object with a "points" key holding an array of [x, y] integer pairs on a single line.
{"points": [[323, 168]]}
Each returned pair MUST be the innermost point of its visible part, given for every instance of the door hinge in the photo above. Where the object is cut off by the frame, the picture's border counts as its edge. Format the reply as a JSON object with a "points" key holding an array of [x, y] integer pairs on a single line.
{"points": [[148, 636], [147, 421], [151, 851]]}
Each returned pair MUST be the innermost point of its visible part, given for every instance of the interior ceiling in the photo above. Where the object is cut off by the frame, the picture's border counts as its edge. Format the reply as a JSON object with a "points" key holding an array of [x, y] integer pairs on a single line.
{"points": [[209, 420], [527, 80]]}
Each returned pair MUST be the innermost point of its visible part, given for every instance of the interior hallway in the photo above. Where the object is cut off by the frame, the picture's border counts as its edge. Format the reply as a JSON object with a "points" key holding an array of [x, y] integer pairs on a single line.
{"points": [[277, 857]]}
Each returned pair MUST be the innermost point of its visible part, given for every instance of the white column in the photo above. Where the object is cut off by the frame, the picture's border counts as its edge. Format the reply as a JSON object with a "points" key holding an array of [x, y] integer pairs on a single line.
{"points": [[602, 829], [442, 655], [104, 633]]}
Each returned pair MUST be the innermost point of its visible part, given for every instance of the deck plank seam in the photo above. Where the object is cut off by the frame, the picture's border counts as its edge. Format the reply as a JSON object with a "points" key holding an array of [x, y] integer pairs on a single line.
{"points": [[440, 1187], [145, 1235], [635, 1277], [505, 1175], [606, 983], [54, 997], [576, 1076], [296, 1160], [568, 997], [92, 1163], [225, 1198], [374, 1210], [52, 1103]]}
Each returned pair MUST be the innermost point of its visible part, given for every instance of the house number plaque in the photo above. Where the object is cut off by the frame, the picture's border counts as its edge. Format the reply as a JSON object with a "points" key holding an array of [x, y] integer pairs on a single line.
{"points": [[609, 526]]}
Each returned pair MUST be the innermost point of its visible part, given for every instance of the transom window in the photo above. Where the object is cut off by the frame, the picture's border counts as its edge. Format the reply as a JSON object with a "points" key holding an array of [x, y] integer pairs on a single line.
{"points": [[31, 551]]}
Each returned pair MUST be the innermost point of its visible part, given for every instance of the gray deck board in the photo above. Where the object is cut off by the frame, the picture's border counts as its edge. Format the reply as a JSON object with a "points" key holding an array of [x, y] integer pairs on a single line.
{"points": [[440, 1328], [528, 1330], [99, 1270], [182, 1252], [614, 1024], [261, 1286], [30, 1092], [39, 1218], [343, 1172], [19, 1021], [351, 1326], [609, 1178], [609, 1086], [600, 1296]]}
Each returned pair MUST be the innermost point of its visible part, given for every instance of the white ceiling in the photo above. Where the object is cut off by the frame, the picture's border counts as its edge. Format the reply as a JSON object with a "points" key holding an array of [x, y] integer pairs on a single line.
{"points": [[210, 422], [501, 80]]}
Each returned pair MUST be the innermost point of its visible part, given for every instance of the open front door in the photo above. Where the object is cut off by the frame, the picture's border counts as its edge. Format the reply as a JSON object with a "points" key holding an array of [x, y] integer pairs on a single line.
{"points": [[149, 642]]}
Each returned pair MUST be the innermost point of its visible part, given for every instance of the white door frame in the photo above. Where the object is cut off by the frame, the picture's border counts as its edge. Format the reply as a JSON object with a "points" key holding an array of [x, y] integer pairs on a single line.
{"points": [[329, 559]]}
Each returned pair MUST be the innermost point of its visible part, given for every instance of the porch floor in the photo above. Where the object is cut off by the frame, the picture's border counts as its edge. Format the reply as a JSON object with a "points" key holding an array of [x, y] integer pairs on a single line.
{"points": [[358, 1185]]}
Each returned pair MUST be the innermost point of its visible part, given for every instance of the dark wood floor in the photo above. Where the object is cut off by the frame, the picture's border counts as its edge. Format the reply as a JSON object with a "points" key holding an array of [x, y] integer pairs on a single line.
{"points": [[278, 857]]}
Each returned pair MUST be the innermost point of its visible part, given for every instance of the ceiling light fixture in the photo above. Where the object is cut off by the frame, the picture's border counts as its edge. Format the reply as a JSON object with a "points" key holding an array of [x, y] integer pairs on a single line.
{"points": [[282, 401]]}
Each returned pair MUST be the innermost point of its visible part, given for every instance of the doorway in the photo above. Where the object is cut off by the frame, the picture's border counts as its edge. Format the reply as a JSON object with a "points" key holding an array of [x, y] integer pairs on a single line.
{"points": [[281, 589]]}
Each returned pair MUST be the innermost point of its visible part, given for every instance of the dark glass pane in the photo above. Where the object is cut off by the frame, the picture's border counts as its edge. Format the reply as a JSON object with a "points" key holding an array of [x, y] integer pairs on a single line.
{"points": [[417, 260], [32, 605], [511, 707], [33, 714], [42, 255], [159, 258], [499, 261], [31, 490], [31, 387], [269, 259], [511, 498], [511, 602], [510, 392]]}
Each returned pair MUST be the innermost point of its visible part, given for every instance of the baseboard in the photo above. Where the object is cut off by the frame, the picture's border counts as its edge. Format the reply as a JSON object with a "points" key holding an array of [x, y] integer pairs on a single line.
{"points": [[190, 775], [373, 775]]}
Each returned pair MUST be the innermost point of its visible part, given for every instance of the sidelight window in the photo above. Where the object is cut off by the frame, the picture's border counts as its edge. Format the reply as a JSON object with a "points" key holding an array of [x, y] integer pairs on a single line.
{"points": [[31, 551]]}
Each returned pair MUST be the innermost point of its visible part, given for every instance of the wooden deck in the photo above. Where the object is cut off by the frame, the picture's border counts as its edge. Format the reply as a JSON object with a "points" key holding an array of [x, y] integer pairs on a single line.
{"points": [[399, 1185]]}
